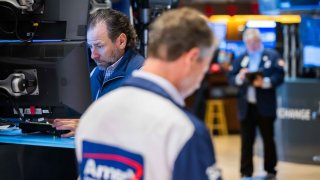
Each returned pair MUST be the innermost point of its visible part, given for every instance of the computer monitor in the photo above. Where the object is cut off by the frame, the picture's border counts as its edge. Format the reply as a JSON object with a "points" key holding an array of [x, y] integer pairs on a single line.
{"points": [[311, 56], [219, 30], [275, 7], [299, 5], [309, 30], [310, 41], [44, 20], [269, 7], [236, 48], [45, 79]]}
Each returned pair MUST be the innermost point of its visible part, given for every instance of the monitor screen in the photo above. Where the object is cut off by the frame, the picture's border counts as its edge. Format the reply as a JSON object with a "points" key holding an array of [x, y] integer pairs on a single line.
{"points": [[310, 40], [234, 47], [311, 56], [299, 5], [269, 7], [44, 79], [44, 20], [219, 30], [275, 7], [309, 30]]}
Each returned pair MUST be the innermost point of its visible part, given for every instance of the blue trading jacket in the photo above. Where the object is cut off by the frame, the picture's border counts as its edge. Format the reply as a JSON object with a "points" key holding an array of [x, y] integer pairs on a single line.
{"points": [[196, 159], [138, 132]]}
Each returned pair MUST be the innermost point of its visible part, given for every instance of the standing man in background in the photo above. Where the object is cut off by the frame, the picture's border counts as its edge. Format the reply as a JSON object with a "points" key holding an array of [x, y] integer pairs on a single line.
{"points": [[142, 129], [257, 100], [112, 41]]}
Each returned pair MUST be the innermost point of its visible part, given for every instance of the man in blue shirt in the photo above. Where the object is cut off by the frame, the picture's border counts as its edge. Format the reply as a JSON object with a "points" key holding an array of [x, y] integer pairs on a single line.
{"points": [[257, 99], [112, 41], [142, 130]]}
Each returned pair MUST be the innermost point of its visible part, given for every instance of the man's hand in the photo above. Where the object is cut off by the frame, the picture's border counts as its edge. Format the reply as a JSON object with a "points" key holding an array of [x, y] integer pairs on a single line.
{"points": [[66, 124], [258, 81], [242, 73]]}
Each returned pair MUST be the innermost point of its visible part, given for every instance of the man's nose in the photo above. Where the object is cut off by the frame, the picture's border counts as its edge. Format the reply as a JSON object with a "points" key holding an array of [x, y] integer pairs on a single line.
{"points": [[94, 54]]}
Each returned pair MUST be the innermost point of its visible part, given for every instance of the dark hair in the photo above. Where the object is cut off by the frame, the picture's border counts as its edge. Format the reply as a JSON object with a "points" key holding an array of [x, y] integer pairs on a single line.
{"points": [[177, 31], [116, 23]]}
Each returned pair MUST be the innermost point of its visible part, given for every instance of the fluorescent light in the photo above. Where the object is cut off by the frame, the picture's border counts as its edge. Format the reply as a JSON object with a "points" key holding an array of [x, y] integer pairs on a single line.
{"points": [[260, 24]]}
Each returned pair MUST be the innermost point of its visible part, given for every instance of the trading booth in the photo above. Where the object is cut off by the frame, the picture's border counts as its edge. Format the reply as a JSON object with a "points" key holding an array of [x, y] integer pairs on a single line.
{"points": [[44, 74]]}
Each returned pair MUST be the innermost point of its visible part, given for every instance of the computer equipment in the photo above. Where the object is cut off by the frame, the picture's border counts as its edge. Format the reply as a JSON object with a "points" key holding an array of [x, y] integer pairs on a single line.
{"points": [[44, 72], [274, 7], [43, 20], [44, 80], [311, 56], [298, 5]]}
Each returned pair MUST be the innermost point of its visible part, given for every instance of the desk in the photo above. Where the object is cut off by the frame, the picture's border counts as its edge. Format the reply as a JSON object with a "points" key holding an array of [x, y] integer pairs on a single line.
{"points": [[16, 137], [36, 156]]}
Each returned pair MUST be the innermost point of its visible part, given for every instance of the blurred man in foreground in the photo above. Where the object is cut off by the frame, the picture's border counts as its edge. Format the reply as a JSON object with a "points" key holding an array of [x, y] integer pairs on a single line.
{"points": [[142, 129]]}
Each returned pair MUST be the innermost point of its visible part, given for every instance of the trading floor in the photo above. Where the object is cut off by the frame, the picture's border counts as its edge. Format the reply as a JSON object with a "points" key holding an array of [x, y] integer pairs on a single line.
{"points": [[228, 156]]}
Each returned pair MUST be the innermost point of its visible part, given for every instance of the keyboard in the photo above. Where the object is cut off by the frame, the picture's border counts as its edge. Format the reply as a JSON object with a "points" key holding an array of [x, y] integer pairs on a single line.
{"points": [[30, 127]]}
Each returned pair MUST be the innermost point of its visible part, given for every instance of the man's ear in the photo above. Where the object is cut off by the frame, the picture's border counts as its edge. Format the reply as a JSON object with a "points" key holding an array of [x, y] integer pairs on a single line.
{"points": [[193, 54], [190, 57], [121, 41]]}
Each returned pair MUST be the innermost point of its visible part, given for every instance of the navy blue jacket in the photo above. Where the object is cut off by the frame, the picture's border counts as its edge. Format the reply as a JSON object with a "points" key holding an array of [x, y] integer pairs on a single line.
{"points": [[197, 150], [130, 61], [266, 98], [151, 137]]}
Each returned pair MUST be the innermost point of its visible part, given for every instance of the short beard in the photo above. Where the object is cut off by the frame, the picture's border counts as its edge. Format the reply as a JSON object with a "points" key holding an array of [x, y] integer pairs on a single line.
{"points": [[114, 57]]}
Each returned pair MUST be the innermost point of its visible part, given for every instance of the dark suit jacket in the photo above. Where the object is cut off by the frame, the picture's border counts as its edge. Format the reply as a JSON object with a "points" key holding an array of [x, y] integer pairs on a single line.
{"points": [[266, 98]]}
